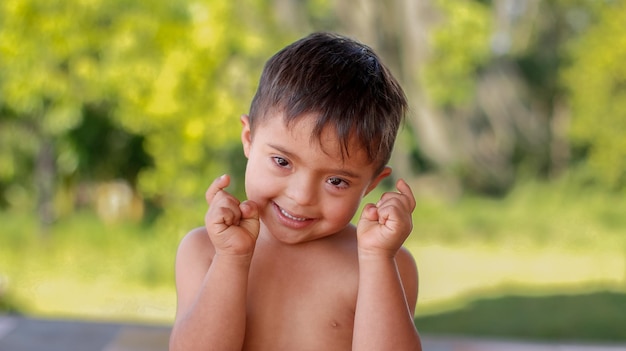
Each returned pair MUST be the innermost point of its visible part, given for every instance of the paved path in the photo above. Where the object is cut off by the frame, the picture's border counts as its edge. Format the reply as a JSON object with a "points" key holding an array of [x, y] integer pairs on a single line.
{"points": [[28, 334]]}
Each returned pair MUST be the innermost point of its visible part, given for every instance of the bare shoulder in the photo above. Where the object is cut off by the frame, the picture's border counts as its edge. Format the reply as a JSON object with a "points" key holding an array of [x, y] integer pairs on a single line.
{"points": [[195, 249], [405, 259], [194, 256], [407, 268], [195, 237]]}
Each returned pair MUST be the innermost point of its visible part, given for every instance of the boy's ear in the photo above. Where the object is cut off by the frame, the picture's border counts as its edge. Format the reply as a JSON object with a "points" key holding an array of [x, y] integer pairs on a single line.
{"points": [[246, 136], [386, 172]]}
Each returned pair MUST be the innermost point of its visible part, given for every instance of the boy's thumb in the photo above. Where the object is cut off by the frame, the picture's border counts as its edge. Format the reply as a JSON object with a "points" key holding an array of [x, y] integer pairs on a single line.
{"points": [[250, 217], [370, 213]]}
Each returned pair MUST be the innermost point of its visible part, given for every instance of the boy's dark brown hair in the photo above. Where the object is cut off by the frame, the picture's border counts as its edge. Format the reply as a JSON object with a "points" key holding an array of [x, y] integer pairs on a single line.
{"points": [[343, 83]]}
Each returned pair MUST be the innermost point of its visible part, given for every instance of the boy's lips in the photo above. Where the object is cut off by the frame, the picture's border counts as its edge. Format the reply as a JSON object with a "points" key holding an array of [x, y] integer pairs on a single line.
{"points": [[289, 215]]}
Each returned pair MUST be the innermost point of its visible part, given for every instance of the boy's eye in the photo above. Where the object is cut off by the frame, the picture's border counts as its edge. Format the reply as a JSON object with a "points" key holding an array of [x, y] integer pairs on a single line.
{"points": [[337, 182], [281, 161]]}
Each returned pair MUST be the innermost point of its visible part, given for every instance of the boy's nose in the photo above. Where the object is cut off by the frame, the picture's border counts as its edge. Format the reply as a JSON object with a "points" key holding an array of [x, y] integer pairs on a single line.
{"points": [[302, 191]]}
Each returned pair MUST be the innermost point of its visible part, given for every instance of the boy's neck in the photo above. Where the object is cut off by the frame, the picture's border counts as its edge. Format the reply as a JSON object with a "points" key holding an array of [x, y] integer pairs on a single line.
{"points": [[268, 240]]}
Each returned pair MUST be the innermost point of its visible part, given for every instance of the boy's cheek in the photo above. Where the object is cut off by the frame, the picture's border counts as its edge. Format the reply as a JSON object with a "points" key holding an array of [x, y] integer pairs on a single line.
{"points": [[256, 188]]}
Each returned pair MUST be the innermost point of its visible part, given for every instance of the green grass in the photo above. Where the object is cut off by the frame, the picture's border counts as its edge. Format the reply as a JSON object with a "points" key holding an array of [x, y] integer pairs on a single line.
{"points": [[546, 262], [591, 317], [498, 267], [84, 268]]}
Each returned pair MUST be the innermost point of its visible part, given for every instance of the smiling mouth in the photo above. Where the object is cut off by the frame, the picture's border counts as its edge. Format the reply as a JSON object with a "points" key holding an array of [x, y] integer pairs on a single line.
{"points": [[290, 216]]}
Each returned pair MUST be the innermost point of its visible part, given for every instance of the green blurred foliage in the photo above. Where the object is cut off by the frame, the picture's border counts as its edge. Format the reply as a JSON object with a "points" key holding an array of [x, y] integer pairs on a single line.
{"points": [[460, 45], [597, 82], [150, 92], [560, 100]]}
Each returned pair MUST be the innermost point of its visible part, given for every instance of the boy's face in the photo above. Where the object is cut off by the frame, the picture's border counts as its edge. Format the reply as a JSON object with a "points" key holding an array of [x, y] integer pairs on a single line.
{"points": [[303, 187]]}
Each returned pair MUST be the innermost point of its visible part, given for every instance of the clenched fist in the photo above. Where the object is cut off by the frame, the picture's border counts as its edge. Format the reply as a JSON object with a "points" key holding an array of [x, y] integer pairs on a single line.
{"points": [[233, 226], [384, 226]]}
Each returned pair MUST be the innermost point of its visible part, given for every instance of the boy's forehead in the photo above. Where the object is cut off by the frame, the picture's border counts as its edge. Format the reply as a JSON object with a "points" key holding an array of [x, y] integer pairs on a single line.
{"points": [[303, 128], [328, 137]]}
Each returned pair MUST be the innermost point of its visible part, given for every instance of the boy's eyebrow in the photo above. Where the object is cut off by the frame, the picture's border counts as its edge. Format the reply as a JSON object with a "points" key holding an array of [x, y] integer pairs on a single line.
{"points": [[291, 155]]}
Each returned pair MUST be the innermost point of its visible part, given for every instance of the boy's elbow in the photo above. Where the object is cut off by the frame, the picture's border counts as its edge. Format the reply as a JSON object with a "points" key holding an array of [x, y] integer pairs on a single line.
{"points": [[176, 342], [173, 342]]}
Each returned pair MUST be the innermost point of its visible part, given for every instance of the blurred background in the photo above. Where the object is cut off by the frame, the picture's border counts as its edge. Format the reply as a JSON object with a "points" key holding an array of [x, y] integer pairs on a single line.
{"points": [[116, 115]]}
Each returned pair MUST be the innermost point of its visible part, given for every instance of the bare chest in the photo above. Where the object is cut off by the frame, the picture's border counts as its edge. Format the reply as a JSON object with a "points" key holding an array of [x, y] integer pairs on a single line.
{"points": [[301, 305]]}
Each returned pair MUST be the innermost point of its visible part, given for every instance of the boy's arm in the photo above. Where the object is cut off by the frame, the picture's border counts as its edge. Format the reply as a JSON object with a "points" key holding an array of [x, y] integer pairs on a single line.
{"points": [[212, 266], [388, 280], [386, 304], [211, 298]]}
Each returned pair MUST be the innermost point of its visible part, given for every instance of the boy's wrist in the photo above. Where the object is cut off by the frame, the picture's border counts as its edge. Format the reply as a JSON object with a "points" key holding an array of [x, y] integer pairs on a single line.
{"points": [[243, 259], [376, 254]]}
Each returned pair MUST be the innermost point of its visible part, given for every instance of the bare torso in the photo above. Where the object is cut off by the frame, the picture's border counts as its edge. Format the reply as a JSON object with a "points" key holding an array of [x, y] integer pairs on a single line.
{"points": [[302, 297]]}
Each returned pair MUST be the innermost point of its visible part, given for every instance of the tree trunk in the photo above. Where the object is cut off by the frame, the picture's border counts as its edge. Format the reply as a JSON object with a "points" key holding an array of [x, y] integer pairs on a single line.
{"points": [[45, 171]]}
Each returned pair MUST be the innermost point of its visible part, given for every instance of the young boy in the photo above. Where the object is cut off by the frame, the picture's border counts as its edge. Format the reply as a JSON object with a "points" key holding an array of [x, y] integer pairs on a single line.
{"points": [[285, 269]]}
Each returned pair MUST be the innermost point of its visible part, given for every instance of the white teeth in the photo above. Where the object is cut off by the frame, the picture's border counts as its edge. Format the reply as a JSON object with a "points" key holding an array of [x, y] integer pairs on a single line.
{"points": [[291, 217]]}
